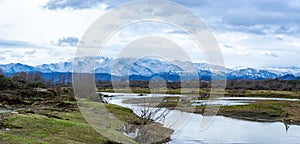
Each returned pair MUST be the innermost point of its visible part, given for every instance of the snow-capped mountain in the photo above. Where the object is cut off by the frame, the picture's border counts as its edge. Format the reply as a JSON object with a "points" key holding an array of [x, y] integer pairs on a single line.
{"points": [[17, 67], [57, 67], [250, 73], [281, 71], [150, 66]]}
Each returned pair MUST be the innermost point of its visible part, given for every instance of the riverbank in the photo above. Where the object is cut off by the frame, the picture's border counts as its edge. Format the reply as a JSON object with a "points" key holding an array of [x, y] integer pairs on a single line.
{"points": [[47, 123], [205, 92], [51, 126], [263, 111], [281, 111], [57, 119], [259, 110], [221, 130]]}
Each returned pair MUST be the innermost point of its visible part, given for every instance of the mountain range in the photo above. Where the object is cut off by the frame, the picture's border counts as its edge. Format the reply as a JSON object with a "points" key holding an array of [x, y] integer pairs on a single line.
{"points": [[145, 68]]}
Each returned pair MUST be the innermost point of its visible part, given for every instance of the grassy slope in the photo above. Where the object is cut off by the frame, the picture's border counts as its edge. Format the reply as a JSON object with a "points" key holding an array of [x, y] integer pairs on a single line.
{"points": [[51, 126], [114, 118], [35, 128], [61, 127]]}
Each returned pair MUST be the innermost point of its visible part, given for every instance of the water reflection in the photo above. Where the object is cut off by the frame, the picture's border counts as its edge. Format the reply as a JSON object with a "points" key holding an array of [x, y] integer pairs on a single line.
{"points": [[287, 122], [258, 98], [220, 102], [3, 110], [232, 101], [287, 126], [224, 130]]}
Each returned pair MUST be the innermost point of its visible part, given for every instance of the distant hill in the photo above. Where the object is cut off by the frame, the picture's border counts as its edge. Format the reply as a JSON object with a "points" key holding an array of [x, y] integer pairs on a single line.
{"points": [[145, 68]]}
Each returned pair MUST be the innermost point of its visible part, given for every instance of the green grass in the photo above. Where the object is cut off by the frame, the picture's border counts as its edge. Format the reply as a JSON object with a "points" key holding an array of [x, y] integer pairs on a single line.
{"points": [[71, 128], [34, 128], [272, 93], [262, 93], [265, 110], [108, 118]]}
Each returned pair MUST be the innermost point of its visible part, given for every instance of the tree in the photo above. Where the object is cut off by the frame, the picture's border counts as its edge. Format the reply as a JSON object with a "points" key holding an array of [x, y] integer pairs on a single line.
{"points": [[5, 83]]}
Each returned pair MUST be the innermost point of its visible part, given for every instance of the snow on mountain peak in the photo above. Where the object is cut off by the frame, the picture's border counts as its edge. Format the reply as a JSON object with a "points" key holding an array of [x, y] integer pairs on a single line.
{"points": [[148, 66]]}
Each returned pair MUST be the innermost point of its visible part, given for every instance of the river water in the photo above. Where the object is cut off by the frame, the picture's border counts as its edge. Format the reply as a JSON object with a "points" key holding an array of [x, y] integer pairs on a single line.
{"points": [[3, 110], [222, 130]]}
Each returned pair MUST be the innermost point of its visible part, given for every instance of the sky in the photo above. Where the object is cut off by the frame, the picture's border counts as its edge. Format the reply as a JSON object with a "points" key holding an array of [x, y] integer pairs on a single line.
{"points": [[253, 33]]}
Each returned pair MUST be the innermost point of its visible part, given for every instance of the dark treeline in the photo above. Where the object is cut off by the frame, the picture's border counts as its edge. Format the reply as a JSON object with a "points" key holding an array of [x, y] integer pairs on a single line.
{"points": [[45, 79], [272, 84], [37, 79], [21, 81], [29, 88]]}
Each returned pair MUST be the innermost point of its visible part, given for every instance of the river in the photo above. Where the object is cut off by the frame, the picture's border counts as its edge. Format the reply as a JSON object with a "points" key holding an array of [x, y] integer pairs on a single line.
{"points": [[222, 130], [3, 110]]}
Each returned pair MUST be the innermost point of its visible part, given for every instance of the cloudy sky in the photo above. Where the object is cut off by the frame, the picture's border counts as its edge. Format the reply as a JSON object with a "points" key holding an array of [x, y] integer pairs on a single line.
{"points": [[252, 33]]}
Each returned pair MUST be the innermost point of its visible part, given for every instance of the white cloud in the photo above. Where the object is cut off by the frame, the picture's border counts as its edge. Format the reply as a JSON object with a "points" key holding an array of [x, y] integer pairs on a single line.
{"points": [[30, 22], [254, 33], [259, 50], [131, 33]]}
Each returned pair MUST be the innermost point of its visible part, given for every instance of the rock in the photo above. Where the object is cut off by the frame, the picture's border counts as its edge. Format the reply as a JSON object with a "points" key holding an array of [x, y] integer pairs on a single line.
{"points": [[14, 113]]}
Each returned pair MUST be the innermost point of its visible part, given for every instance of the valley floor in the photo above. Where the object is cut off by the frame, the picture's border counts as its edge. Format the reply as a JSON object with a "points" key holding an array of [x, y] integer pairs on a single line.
{"points": [[57, 119]]}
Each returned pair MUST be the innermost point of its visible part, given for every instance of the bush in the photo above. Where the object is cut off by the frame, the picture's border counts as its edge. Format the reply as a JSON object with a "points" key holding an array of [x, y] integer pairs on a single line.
{"points": [[5, 83]]}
